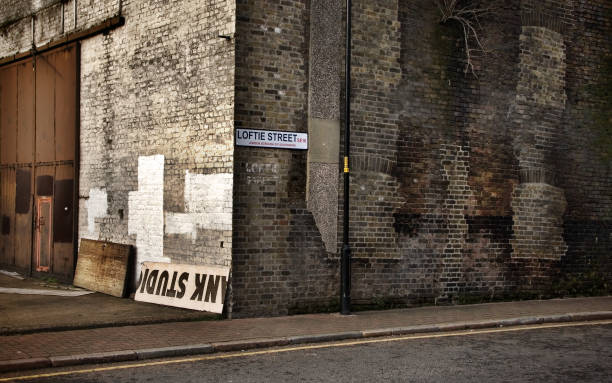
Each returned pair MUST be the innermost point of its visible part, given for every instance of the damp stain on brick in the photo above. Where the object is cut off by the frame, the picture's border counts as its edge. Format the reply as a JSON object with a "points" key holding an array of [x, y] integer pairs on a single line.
{"points": [[406, 224]]}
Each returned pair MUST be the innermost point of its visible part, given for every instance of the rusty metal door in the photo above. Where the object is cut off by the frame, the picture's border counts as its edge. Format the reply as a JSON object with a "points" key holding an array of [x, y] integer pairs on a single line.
{"points": [[44, 230], [38, 146]]}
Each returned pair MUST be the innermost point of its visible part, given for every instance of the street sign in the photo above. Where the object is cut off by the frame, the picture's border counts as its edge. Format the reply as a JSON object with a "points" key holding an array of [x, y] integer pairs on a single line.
{"points": [[271, 139], [188, 286]]}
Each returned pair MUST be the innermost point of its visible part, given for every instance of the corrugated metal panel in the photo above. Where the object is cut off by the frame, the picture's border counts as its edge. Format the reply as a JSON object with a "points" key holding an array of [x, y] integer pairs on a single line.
{"points": [[63, 215], [44, 182], [63, 209], [25, 121], [38, 121], [23, 198], [8, 115], [7, 212], [23, 218], [44, 230], [65, 95], [45, 108]]}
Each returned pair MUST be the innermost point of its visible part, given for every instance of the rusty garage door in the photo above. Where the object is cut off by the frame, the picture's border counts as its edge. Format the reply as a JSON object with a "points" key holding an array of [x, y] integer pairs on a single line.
{"points": [[38, 124]]}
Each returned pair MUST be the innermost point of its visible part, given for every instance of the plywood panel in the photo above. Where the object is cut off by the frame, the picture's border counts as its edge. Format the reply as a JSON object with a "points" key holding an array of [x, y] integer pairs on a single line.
{"points": [[65, 103], [7, 216], [8, 114], [45, 108], [63, 220], [25, 120], [23, 218], [102, 266]]}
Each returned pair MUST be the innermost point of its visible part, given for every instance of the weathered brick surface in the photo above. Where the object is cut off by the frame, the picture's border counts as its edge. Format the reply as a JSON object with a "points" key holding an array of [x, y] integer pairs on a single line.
{"points": [[585, 146], [279, 262], [18, 17], [156, 121], [538, 210], [161, 87], [460, 185]]}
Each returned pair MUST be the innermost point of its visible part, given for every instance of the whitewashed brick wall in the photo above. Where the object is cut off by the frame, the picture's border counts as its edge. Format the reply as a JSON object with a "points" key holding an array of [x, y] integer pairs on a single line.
{"points": [[156, 120], [157, 130], [17, 15]]}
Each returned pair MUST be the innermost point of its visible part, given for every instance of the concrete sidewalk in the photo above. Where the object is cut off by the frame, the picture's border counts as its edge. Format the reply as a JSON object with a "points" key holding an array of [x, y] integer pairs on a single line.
{"points": [[34, 313], [112, 344]]}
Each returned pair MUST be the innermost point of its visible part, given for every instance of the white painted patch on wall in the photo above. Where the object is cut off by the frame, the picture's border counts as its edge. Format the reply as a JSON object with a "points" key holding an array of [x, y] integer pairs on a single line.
{"points": [[180, 223], [208, 205], [146, 211], [97, 207]]}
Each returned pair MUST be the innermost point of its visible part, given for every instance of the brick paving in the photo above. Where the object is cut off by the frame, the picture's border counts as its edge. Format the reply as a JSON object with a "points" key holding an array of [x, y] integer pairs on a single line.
{"points": [[75, 342]]}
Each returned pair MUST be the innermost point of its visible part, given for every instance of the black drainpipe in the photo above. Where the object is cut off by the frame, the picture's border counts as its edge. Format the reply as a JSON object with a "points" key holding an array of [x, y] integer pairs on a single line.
{"points": [[345, 261]]}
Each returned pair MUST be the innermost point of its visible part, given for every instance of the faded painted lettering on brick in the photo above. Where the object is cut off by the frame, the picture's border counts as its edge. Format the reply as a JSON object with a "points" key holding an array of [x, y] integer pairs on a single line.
{"points": [[271, 139], [188, 286]]}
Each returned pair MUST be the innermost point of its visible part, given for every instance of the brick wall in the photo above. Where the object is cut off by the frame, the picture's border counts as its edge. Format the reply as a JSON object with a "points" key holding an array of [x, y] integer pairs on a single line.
{"points": [[156, 120], [157, 130], [586, 147], [50, 18], [279, 260], [489, 183], [461, 184]]}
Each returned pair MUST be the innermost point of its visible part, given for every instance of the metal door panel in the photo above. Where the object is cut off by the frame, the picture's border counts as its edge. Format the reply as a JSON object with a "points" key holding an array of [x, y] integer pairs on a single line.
{"points": [[38, 125], [65, 103], [8, 114], [63, 224], [23, 218], [7, 214], [25, 121], [45, 107]]}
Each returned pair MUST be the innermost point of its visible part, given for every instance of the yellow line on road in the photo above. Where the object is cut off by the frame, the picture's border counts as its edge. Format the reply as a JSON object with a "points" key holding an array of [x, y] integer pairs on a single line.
{"points": [[310, 347]]}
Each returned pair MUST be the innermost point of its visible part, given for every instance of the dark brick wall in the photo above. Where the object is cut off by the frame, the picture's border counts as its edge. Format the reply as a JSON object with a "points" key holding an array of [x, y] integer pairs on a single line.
{"points": [[279, 260], [588, 257], [585, 160], [454, 168], [493, 183]]}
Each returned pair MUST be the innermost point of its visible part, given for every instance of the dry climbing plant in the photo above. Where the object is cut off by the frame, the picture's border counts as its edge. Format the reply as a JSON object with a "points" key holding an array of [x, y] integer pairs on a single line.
{"points": [[467, 14]]}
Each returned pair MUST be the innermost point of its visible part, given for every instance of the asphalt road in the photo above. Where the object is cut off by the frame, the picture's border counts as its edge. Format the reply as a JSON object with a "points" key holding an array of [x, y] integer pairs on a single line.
{"points": [[563, 354]]}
